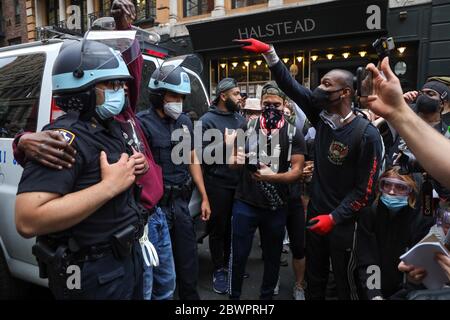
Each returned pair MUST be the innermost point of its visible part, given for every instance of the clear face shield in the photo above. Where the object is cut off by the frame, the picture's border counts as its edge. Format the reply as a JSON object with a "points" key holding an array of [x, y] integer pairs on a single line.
{"points": [[190, 61], [104, 50]]}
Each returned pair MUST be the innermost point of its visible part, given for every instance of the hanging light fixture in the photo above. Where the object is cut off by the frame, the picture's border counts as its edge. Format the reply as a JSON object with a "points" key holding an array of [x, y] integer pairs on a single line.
{"points": [[285, 60], [346, 55], [246, 63], [401, 50], [363, 53], [234, 64], [258, 62], [223, 65], [314, 57], [330, 56], [299, 59]]}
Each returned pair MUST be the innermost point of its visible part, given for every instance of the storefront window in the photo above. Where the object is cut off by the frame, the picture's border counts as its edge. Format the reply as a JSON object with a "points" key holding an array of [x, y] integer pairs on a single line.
{"points": [[246, 3], [197, 7], [252, 73]]}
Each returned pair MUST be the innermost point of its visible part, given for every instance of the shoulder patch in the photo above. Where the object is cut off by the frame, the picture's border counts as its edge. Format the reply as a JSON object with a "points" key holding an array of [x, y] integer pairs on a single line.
{"points": [[67, 135]]}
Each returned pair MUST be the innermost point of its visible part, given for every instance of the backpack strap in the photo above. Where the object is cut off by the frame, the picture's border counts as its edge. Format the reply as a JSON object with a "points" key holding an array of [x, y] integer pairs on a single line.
{"points": [[358, 134], [251, 125], [291, 134]]}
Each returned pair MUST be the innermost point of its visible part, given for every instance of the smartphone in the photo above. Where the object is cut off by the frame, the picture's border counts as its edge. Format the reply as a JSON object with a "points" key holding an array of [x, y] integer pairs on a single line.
{"points": [[364, 82]]}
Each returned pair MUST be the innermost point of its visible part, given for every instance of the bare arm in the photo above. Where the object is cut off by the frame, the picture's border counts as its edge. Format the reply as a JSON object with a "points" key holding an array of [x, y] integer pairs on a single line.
{"points": [[429, 147], [195, 170], [40, 213]]}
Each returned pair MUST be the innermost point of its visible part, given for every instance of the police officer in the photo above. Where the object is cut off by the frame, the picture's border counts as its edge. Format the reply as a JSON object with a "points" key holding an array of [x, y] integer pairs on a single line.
{"points": [[168, 86], [87, 217]]}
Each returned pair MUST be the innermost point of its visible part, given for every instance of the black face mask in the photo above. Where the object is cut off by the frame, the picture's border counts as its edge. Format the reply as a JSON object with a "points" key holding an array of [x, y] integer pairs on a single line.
{"points": [[426, 105], [321, 98], [230, 105], [272, 116]]}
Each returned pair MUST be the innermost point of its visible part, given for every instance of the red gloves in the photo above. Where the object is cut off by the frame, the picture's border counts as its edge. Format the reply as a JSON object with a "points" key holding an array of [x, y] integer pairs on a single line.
{"points": [[253, 45], [322, 224]]}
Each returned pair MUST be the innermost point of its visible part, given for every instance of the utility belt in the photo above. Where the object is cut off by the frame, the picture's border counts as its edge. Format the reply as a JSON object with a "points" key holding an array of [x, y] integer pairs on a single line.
{"points": [[55, 255], [183, 191]]}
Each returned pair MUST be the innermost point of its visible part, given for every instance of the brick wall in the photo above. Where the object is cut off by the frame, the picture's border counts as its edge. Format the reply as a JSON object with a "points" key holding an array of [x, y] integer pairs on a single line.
{"points": [[14, 31]]}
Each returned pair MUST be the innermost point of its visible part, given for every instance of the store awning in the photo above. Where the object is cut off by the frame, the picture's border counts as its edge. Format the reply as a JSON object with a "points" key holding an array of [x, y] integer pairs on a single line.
{"points": [[300, 23]]}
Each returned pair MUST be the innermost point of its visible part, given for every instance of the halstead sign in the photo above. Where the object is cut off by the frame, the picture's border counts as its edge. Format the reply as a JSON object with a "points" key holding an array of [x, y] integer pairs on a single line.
{"points": [[329, 19], [277, 29]]}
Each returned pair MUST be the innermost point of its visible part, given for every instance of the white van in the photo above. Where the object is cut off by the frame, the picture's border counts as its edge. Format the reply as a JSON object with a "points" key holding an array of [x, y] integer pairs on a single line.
{"points": [[25, 104]]}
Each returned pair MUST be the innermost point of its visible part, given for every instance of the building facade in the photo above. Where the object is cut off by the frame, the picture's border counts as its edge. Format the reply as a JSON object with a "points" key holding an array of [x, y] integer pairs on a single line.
{"points": [[13, 22], [311, 37]]}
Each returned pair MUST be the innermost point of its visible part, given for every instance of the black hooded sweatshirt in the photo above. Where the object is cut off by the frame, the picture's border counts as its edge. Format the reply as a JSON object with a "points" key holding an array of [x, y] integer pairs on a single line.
{"points": [[220, 174]]}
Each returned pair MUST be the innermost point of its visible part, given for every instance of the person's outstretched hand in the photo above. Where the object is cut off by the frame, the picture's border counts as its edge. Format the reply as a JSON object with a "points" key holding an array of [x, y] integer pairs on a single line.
{"points": [[253, 45], [387, 100]]}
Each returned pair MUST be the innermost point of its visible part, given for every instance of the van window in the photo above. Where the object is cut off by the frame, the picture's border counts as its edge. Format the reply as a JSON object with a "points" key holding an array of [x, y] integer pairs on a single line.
{"points": [[147, 70], [195, 104], [20, 87]]}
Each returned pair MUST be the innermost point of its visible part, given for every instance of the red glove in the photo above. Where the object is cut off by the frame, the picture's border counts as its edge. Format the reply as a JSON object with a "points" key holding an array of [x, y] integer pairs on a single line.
{"points": [[253, 45], [322, 224]]}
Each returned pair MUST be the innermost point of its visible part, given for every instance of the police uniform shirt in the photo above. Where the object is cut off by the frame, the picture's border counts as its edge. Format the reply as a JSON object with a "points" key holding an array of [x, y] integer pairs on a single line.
{"points": [[159, 136], [248, 191], [89, 138]]}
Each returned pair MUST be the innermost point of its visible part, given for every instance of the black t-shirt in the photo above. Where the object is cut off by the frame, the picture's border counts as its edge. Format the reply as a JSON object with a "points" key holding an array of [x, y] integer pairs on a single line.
{"points": [[247, 190], [88, 138]]}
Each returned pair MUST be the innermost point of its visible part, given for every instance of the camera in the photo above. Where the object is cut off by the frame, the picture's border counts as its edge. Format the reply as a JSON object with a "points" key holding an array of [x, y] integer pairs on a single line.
{"points": [[383, 46], [364, 84]]}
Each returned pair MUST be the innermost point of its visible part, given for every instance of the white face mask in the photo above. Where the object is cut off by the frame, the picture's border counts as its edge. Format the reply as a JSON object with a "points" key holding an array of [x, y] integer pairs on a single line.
{"points": [[173, 109]]}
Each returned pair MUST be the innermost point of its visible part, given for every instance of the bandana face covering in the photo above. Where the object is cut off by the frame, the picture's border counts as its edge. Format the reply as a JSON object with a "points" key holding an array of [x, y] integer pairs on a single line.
{"points": [[272, 118]]}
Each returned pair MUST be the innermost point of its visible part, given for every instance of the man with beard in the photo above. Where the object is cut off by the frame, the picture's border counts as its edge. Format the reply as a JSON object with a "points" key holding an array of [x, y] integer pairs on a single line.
{"points": [[347, 158], [220, 180], [275, 159]]}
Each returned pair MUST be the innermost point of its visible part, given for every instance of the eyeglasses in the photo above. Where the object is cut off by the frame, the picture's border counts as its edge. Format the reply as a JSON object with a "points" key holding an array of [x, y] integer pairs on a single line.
{"points": [[116, 85], [399, 187]]}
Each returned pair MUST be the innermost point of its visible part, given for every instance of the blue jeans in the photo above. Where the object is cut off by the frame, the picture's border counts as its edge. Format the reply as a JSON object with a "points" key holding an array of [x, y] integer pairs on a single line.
{"points": [[271, 224], [159, 282]]}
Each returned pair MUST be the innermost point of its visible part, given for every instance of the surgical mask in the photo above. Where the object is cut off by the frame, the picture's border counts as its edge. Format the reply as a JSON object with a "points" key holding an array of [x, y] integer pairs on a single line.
{"points": [[230, 105], [334, 120], [113, 104], [272, 117], [394, 203], [425, 104], [173, 109], [321, 98]]}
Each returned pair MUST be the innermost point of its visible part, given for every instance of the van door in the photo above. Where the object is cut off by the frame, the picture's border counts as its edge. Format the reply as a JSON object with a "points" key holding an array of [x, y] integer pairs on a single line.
{"points": [[25, 95]]}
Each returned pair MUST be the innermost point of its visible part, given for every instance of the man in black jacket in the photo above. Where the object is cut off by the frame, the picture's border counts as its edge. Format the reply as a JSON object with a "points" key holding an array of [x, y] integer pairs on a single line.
{"points": [[220, 180], [347, 161]]}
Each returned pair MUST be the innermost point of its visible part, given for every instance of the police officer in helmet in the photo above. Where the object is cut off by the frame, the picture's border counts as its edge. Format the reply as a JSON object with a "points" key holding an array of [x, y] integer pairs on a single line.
{"points": [[87, 218], [168, 86]]}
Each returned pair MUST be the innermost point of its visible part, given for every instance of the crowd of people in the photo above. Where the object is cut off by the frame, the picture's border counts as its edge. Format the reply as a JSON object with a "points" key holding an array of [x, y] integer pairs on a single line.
{"points": [[347, 180]]}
